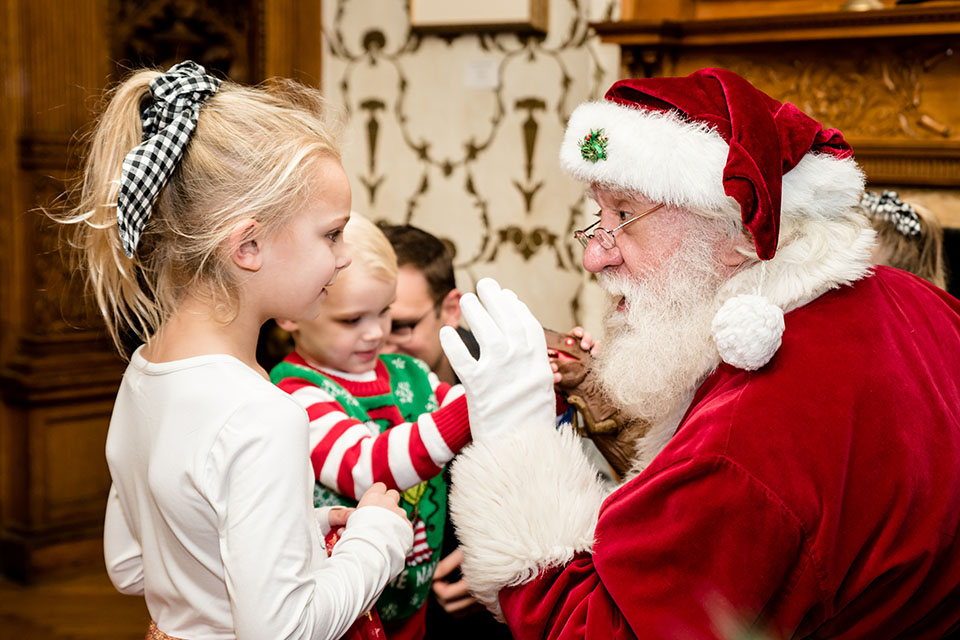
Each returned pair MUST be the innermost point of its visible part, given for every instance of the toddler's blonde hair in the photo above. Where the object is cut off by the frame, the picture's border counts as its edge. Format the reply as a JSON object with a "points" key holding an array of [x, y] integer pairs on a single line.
{"points": [[252, 155], [370, 251]]}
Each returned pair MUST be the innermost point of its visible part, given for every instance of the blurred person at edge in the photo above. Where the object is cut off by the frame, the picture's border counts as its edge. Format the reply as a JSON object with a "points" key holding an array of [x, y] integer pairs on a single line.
{"points": [[909, 237]]}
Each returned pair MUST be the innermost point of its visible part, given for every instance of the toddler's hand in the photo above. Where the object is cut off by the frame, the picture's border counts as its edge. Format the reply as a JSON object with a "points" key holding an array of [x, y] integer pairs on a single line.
{"points": [[379, 496]]}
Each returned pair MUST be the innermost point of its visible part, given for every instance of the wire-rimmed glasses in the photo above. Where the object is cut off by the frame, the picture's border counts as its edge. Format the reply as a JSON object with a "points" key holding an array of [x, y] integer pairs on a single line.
{"points": [[605, 236], [402, 331]]}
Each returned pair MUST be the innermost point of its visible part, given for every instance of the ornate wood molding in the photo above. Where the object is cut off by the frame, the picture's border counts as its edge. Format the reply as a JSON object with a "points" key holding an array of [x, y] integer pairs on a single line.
{"points": [[219, 34], [41, 151], [912, 164], [884, 23]]}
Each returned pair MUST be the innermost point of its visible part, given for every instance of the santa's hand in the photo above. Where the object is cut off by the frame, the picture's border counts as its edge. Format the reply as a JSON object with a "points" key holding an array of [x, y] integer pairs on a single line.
{"points": [[511, 385]]}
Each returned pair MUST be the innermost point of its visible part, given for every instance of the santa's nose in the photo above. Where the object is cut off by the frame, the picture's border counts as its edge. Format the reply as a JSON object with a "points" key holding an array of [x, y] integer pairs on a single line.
{"points": [[596, 258]]}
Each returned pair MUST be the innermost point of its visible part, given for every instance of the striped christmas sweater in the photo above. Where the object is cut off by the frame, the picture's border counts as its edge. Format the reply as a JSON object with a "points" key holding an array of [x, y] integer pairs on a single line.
{"points": [[399, 426], [350, 454]]}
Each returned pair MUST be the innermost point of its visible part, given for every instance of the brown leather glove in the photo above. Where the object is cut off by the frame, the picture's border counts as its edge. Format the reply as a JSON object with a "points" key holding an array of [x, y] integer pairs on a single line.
{"points": [[614, 436]]}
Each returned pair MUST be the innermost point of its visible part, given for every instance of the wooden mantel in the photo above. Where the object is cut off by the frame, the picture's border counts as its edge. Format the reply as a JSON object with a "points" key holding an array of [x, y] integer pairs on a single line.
{"points": [[888, 78], [902, 22]]}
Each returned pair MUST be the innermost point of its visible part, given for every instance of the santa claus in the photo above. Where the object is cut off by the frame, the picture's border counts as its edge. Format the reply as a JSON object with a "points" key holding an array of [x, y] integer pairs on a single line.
{"points": [[800, 474]]}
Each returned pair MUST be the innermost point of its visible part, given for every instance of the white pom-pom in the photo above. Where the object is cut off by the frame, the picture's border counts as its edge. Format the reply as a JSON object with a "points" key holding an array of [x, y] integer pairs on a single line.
{"points": [[747, 330]]}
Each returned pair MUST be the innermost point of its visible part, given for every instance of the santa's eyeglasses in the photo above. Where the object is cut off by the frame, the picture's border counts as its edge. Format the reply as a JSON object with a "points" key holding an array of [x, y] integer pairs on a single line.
{"points": [[605, 236]]}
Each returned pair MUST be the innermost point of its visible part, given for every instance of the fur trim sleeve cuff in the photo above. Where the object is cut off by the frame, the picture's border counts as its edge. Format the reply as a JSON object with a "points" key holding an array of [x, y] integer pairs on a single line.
{"points": [[521, 504]]}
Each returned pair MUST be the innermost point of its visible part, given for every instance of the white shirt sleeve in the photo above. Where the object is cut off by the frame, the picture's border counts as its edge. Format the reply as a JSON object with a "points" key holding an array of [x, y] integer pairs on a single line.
{"points": [[278, 578], [121, 549]]}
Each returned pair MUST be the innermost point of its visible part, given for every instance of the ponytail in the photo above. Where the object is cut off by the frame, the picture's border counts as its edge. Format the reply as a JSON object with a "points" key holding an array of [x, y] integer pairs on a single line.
{"points": [[251, 155], [121, 297]]}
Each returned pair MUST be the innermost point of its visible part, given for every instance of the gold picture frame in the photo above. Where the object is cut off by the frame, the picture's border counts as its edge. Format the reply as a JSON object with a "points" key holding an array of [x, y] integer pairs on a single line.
{"points": [[458, 16]]}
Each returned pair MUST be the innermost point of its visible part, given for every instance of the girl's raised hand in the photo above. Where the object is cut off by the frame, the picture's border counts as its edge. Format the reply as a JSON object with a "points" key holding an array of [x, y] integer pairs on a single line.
{"points": [[379, 496]]}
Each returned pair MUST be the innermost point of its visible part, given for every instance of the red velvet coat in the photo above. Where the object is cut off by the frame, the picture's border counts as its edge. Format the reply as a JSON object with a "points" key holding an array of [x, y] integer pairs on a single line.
{"points": [[819, 495]]}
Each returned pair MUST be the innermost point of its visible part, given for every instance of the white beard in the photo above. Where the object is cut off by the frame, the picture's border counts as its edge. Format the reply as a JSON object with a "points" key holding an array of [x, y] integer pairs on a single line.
{"points": [[657, 352]]}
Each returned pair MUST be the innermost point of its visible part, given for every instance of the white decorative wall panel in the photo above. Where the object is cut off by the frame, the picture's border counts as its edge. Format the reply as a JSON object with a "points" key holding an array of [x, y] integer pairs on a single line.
{"points": [[459, 135]]}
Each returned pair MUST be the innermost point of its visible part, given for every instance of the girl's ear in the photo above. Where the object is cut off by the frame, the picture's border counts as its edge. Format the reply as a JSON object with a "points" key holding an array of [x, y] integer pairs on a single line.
{"points": [[244, 242]]}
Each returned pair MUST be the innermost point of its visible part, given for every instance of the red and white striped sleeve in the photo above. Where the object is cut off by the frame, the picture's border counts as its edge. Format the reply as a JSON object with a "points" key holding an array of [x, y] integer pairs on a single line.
{"points": [[348, 456]]}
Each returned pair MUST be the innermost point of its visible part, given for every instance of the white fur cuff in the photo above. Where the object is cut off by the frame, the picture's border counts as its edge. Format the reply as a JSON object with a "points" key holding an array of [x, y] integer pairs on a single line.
{"points": [[521, 504]]}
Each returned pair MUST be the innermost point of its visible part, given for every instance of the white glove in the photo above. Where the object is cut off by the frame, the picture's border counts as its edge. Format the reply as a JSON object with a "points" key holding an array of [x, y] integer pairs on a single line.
{"points": [[511, 385]]}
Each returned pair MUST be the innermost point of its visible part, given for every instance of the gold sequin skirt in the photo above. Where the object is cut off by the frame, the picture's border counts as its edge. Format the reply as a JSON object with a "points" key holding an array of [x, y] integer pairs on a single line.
{"points": [[155, 634]]}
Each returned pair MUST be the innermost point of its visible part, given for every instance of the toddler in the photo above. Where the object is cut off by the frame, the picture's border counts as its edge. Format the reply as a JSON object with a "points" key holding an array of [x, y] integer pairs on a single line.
{"points": [[376, 417]]}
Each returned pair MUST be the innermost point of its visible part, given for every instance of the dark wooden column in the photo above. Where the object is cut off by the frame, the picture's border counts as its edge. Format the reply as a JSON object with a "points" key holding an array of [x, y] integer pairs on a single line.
{"points": [[57, 375]]}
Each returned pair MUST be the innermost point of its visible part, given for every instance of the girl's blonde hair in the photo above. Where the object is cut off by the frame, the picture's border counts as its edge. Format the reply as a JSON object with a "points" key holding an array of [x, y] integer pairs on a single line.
{"points": [[252, 155], [921, 254], [370, 250]]}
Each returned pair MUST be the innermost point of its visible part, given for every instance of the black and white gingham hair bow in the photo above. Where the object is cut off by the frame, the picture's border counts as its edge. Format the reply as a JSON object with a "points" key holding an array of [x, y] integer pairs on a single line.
{"points": [[168, 122], [889, 207]]}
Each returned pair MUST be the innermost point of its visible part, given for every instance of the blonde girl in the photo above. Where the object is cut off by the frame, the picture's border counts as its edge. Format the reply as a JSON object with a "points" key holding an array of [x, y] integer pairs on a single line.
{"points": [[205, 209]]}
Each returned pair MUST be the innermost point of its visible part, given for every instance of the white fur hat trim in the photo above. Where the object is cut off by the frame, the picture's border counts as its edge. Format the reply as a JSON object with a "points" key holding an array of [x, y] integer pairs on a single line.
{"points": [[669, 159], [748, 330]]}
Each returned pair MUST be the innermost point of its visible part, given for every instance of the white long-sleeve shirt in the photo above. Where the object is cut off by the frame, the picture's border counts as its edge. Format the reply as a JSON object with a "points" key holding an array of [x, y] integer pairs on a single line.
{"points": [[210, 516]]}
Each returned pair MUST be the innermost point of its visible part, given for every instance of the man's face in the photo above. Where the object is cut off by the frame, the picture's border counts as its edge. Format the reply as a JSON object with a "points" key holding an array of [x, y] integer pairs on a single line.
{"points": [[662, 278], [642, 246], [417, 318]]}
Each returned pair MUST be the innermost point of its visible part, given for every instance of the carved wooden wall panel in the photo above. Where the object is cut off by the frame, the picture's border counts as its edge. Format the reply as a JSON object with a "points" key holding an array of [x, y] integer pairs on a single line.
{"points": [[707, 9], [71, 433], [58, 372], [219, 34], [56, 65], [474, 159]]}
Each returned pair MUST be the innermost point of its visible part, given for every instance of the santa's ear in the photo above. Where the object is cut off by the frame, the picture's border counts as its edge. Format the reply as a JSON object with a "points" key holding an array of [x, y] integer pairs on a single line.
{"points": [[287, 325], [736, 251], [244, 243], [450, 308]]}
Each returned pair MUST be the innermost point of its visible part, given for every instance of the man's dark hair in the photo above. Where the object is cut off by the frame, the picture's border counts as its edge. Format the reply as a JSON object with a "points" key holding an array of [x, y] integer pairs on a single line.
{"points": [[426, 253]]}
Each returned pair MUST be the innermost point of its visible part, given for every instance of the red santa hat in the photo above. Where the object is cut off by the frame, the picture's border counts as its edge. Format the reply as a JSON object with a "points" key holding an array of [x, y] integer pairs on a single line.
{"points": [[700, 140]]}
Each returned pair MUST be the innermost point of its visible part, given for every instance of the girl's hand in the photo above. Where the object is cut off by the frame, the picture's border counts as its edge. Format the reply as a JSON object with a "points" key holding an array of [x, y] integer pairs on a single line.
{"points": [[379, 496], [337, 517]]}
